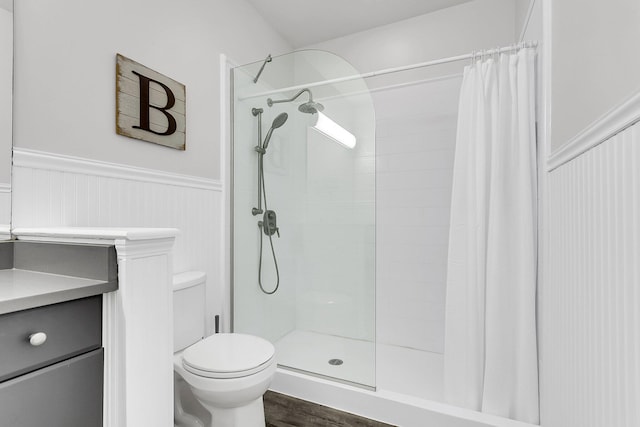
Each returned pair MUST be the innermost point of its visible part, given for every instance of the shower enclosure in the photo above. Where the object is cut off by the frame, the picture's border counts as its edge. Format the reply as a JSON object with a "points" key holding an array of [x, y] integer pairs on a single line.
{"points": [[341, 244], [303, 203]]}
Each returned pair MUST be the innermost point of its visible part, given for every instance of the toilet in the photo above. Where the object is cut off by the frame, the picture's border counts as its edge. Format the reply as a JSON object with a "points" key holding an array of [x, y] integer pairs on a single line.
{"points": [[227, 373]]}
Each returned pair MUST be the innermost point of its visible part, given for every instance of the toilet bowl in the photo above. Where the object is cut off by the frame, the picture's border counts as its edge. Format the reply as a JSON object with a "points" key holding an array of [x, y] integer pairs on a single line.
{"points": [[227, 373]]}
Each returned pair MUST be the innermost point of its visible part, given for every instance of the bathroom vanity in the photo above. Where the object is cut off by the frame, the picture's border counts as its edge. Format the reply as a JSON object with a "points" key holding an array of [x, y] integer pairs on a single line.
{"points": [[52, 378], [109, 293], [51, 355]]}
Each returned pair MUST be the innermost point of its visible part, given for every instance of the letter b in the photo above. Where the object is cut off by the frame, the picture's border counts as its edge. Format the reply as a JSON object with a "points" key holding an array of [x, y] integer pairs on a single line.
{"points": [[145, 105]]}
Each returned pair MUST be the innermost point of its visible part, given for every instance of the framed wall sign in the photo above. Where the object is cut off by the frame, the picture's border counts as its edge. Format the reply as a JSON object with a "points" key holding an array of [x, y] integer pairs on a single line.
{"points": [[149, 105]]}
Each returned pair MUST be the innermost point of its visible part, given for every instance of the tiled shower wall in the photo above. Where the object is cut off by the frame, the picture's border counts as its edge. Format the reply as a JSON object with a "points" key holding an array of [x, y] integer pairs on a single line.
{"points": [[336, 289], [415, 141]]}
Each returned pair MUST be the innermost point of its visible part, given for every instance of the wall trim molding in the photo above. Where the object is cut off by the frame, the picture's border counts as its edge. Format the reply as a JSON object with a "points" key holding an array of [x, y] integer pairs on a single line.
{"points": [[35, 159], [611, 123]]}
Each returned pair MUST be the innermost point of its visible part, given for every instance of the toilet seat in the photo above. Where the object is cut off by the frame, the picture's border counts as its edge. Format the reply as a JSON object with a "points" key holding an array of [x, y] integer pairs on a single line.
{"points": [[228, 356]]}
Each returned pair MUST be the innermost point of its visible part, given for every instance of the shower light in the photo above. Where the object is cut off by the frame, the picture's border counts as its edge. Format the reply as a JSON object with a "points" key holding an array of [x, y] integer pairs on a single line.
{"points": [[331, 129]]}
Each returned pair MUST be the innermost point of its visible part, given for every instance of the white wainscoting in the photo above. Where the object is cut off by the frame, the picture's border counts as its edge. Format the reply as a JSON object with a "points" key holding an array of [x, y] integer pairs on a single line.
{"points": [[55, 190], [590, 310]]}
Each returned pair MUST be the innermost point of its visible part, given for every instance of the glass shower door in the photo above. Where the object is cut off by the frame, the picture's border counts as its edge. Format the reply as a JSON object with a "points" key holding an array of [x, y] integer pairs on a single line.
{"points": [[304, 268]]}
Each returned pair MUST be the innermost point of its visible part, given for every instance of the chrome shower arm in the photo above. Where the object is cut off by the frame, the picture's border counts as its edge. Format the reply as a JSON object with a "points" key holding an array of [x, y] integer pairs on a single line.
{"points": [[270, 101]]}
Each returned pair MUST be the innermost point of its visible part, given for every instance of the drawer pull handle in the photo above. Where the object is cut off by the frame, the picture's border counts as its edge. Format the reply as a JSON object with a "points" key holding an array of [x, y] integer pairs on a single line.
{"points": [[37, 339]]}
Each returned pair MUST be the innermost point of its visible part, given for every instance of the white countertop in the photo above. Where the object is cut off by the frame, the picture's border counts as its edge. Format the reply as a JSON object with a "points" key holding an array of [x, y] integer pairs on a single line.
{"points": [[103, 233], [22, 289]]}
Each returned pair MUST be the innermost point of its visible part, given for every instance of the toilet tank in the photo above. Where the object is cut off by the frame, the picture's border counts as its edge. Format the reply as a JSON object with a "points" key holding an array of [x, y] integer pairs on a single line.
{"points": [[188, 308]]}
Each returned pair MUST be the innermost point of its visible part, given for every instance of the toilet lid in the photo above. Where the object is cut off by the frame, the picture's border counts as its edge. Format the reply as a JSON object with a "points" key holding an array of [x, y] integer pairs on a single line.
{"points": [[228, 356]]}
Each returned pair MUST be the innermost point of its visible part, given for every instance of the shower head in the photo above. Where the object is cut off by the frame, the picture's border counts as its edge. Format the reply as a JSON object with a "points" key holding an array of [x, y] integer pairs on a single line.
{"points": [[310, 107], [277, 122]]}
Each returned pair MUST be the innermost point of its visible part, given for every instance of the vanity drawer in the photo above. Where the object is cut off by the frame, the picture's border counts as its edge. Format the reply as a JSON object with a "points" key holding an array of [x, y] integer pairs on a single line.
{"points": [[71, 328], [66, 394]]}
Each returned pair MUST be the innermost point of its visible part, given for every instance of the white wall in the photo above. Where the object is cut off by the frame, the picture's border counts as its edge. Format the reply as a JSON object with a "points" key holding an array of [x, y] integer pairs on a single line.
{"points": [[477, 25], [6, 101], [522, 15], [594, 65], [6, 93], [65, 73], [529, 21]]}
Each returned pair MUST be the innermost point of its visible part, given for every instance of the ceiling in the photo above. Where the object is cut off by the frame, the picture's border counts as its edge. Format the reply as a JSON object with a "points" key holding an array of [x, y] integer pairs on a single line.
{"points": [[306, 22]]}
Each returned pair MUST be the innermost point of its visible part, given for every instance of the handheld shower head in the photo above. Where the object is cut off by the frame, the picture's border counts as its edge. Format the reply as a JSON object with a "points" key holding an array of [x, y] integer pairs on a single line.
{"points": [[277, 122]]}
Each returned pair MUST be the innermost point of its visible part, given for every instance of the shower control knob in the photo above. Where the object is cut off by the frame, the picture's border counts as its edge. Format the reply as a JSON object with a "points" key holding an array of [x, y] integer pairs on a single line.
{"points": [[269, 223]]}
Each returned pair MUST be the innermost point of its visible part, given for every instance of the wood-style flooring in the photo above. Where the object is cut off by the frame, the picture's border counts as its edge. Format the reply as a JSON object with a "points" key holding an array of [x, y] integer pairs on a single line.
{"points": [[284, 411]]}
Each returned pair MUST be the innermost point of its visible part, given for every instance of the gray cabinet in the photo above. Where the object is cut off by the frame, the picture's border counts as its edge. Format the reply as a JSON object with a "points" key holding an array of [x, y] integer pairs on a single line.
{"points": [[57, 382], [65, 394]]}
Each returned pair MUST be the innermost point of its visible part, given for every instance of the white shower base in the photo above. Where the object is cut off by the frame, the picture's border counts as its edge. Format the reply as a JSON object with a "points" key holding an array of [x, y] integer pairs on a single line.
{"points": [[408, 371], [408, 384], [386, 367], [311, 351]]}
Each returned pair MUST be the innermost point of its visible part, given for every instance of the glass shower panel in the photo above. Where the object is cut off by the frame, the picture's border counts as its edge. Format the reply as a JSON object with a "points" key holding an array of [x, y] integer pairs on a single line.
{"points": [[321, 318]]}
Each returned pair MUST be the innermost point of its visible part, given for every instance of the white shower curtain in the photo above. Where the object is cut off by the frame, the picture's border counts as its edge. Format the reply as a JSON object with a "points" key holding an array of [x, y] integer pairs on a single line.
{"points": [[490, 333]]}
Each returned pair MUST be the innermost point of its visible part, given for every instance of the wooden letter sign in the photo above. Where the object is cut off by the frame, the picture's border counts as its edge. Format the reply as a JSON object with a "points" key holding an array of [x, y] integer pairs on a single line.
{"points": [[149, 106]]}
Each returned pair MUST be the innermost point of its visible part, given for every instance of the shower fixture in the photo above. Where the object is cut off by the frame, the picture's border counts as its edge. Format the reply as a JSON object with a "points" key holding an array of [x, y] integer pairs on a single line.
{"points": [[309, 107], [277, 122], [322, 123], [268, 226], [261, 149]]}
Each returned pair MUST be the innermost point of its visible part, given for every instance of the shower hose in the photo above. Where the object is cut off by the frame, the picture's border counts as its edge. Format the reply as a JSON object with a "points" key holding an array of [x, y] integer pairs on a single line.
{"points": [[269, 233]]}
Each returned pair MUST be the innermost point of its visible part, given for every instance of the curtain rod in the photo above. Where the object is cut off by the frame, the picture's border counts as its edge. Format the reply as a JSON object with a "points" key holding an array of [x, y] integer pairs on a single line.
{"points": [[398, 69], [393, 86]]}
